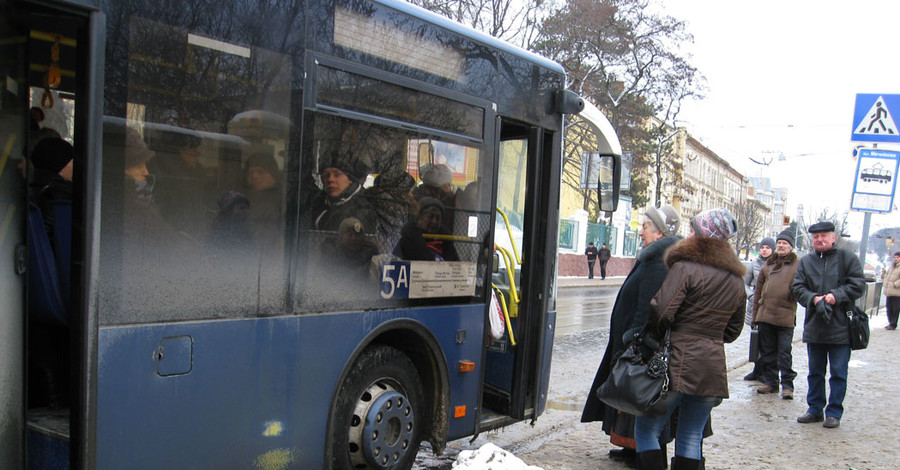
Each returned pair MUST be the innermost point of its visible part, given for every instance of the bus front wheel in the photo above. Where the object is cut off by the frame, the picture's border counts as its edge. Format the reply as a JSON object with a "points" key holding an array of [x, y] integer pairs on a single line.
{"points": [[379, 412]]}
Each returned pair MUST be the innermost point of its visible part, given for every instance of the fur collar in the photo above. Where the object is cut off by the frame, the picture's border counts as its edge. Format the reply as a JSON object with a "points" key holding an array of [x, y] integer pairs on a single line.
{"points": [[788, 258], [713, 252]]}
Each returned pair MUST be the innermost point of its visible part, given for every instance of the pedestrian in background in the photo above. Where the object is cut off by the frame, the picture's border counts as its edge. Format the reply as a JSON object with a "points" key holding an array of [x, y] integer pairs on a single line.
{"points": [[766, 247], [892, 292], [630, 314], [774, 316], [828, 282], [604, 257], [591, 253], [702, 302]]}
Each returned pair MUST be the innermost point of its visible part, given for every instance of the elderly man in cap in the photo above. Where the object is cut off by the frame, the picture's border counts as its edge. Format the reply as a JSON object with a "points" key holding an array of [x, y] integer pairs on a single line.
{"points": [[774, 314], [828, 282]]}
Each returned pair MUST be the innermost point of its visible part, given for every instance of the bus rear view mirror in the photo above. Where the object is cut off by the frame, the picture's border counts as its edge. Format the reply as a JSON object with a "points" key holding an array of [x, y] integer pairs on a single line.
{"points": [[608, 184]]}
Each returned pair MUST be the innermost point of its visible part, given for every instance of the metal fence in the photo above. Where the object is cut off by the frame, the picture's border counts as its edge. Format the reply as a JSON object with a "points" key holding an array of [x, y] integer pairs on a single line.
{"points": [[600, 234], [568, 232], [631, 243]]}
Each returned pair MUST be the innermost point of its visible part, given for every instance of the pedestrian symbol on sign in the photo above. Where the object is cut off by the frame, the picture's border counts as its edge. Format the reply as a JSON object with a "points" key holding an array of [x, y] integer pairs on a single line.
{"points": [[877, 121]]}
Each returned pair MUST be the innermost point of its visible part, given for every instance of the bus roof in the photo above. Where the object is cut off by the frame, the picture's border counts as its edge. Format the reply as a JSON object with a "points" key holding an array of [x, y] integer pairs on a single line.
{"points": [[486, 39]]}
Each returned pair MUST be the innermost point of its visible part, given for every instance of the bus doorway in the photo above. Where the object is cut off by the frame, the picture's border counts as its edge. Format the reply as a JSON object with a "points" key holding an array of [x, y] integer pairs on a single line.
{"points": [[41, 158]]}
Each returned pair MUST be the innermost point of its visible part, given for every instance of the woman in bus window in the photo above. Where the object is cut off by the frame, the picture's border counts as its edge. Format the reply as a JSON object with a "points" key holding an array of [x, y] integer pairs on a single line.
{"points": [[414, 242]]}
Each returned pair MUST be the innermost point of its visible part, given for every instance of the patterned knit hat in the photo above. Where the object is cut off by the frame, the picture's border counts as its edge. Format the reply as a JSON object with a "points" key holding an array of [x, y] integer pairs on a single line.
{"points": [[716, 223]]}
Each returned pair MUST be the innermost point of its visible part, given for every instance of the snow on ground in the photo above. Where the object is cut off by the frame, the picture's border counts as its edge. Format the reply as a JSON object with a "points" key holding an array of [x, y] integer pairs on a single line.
{"points": [[490, 457]]}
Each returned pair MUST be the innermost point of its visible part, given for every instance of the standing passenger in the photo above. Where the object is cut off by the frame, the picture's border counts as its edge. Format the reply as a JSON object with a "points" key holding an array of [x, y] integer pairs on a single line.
{"points": [[766, 247], [892, 292], [629, 314], [774, 315], [702, 302], [828, 282], [342, 194]]}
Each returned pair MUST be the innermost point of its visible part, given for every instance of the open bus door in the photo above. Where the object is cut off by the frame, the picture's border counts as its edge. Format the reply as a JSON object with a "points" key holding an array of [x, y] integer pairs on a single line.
{"points": [[45, 50], [517, 366]]}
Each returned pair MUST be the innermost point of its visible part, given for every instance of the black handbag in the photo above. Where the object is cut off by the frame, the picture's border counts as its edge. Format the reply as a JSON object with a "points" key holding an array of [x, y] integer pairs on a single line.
{"points": [[859, 328], [636, 387], [754, 345]]}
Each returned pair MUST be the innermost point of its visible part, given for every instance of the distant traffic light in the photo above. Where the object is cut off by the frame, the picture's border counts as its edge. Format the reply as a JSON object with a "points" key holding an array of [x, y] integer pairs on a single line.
{"points": [[786, 221]]}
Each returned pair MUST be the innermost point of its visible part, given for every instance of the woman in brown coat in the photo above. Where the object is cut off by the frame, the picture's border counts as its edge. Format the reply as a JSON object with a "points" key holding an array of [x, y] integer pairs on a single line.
{"points": [[702, 301], [892, 292], [774, 315]]}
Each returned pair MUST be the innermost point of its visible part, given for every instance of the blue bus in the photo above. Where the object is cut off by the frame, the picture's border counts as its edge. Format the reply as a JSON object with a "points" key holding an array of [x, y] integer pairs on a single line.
{"points": [[298, 234]]}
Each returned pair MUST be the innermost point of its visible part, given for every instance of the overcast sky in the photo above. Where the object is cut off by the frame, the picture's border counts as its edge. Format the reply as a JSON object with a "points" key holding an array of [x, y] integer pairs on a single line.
{"points": [[782, 78]]}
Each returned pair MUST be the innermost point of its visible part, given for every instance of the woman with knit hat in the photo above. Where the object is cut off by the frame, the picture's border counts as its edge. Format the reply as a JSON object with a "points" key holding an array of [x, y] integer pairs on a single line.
{"points": [[702, 302], [766, 248], [774, 315]]}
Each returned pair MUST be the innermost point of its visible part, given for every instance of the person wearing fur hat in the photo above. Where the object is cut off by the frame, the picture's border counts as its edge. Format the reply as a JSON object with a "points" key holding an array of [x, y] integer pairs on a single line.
{"points": [[829, 280], [342, 195], [774, 314], [52, 159], [892, 292], [630, 313], [701, 302], [765, 250]]}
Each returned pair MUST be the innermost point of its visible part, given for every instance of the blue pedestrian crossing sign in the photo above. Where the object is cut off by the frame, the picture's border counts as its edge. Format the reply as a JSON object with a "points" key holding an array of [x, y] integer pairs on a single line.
{"points": [[873, 118]]}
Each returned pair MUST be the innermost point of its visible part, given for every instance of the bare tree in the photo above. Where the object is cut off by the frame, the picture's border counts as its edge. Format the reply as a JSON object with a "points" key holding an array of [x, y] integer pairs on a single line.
{"points": [[513, 21], [751, 216], [626, 58]]}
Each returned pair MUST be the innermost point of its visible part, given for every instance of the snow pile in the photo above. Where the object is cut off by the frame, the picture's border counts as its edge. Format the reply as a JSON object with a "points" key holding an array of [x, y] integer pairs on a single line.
{"points": [[490, 457]]}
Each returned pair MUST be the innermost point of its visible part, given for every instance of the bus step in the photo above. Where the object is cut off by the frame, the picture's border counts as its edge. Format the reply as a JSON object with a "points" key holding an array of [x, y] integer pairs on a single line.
{"points": [[48, 439]]}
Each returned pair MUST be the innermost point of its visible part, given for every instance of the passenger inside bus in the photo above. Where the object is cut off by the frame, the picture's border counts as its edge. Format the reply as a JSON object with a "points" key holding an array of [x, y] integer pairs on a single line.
{"points": [[342, 196], [349, 254], [182, 184], [52, 159], [263, 182], [230, 229], [423, 239]]}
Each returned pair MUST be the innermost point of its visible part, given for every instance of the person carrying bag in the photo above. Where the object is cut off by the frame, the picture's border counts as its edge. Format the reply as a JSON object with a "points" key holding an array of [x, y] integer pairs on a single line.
{"points": [[637, 384]]}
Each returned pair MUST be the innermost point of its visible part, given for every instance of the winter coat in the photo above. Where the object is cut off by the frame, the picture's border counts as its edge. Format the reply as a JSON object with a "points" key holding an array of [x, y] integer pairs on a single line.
{"points": [[630, 312], [703, 302], [591, 253], [328, 213], [836, 271], [774, 302], [892, 281], [750, 286], [605, 254]]}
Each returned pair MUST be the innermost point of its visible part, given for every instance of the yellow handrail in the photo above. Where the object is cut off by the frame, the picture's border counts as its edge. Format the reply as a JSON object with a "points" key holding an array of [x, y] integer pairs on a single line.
{"points": [[511, 273], [512, 241], [502, 299]]}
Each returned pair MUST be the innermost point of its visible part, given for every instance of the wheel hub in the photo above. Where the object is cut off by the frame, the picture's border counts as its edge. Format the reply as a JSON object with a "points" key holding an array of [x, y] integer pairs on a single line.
{"points": [[385, 430]]}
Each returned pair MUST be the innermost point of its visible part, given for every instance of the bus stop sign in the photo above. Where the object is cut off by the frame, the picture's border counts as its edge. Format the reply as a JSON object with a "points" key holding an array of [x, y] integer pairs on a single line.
{"points": [[873, 118], [876, 178]]}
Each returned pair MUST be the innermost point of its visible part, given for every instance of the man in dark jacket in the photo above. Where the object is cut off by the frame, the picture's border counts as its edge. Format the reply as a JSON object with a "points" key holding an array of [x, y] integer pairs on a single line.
{"points": [[591, 253], [604, 257], [827, 283]]}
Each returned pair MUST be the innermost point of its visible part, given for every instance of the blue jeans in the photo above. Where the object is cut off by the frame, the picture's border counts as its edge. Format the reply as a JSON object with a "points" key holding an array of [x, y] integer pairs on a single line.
{"points": [[820, 355], [693, 413]]}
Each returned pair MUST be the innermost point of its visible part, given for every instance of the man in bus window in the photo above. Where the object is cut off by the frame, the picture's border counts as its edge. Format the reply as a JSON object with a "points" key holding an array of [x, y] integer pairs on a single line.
{"points": [[342, 195]]}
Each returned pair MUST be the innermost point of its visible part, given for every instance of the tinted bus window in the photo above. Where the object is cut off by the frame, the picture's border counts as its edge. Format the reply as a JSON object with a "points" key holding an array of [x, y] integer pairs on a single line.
{"points": [[195, 145], [390, 217]]}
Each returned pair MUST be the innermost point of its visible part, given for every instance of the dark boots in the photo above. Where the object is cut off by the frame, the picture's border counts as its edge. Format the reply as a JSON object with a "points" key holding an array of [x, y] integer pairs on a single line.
{"points": [[684, 463], [651, 460]]}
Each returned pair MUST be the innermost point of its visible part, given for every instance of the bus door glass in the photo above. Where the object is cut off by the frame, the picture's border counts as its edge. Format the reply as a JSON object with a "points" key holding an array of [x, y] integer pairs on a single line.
{"points": [[505, 371]]}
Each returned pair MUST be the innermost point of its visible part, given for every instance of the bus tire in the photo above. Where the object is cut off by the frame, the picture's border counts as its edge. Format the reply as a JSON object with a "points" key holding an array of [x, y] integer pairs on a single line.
{"points": [[379, 412]]}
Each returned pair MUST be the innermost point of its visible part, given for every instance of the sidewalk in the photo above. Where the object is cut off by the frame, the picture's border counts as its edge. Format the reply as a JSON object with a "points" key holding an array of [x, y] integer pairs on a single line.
{"points": [[572, 281]]}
